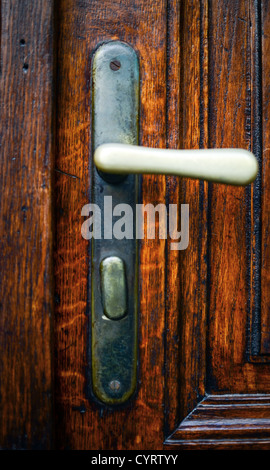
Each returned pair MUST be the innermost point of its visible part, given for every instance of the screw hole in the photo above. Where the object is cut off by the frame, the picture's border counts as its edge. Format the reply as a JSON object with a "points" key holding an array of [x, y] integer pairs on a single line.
{"points": [[115, 65], [22, 42], [25, 67]]}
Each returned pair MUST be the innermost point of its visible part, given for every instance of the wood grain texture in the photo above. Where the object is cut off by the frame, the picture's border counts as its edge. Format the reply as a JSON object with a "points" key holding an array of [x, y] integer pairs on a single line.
{"points": [[265, 213], [25, 229], [80, 423], [237, 317], [199, 88], [225, 422], [234, 245], [204, 375], [172, 273], [193, 261]]}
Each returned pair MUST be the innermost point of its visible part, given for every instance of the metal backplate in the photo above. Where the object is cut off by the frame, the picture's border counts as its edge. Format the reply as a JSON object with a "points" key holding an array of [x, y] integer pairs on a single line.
{"points": [[115, 104]]}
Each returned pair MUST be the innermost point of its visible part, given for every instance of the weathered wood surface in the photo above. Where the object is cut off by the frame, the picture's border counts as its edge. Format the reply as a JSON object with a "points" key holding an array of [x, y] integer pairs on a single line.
{"points": [[265, 213], [25, 227]]}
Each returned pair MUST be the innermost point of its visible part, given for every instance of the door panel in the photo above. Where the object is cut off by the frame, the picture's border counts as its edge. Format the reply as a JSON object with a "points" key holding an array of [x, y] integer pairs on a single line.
{"points": [[203, 376], [235, 227], [231, 415]]}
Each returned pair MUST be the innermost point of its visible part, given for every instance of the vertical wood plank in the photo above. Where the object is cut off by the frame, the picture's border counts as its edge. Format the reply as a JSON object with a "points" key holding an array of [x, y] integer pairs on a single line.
{"points": [[25, 229], [265, 213], [193, 264], [229, 127], [80, 423], [172, 274]]}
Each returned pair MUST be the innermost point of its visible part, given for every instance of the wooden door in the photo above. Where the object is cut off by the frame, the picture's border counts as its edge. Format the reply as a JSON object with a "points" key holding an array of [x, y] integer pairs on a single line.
{"points": [[204, 320]]}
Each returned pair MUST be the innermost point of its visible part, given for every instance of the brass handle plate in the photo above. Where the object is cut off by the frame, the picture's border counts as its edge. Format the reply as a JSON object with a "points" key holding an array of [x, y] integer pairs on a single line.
{"points": [[115, 108]]}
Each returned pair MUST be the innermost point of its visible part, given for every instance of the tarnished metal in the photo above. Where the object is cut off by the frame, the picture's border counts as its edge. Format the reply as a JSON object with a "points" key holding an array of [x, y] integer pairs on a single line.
{"points": [[116, 97], [113, 287], [115, 104]]}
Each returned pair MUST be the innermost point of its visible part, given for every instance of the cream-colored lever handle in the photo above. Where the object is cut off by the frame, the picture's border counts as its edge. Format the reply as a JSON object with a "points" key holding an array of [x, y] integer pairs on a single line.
{"points": [[230, 166]]}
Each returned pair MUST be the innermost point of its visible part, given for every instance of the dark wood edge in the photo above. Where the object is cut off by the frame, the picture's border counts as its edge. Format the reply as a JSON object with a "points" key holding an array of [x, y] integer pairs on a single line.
{"points": [[218, 444], [225, 422]]}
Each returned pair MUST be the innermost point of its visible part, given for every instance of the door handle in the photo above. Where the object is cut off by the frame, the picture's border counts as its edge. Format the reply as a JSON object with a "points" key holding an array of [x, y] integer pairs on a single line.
{"points": [[118, 158], [230, 166]]}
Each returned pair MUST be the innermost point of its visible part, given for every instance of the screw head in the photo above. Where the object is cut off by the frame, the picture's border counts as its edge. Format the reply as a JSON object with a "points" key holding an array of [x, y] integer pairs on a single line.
{"points": [[115, 64], [115, 385]]}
